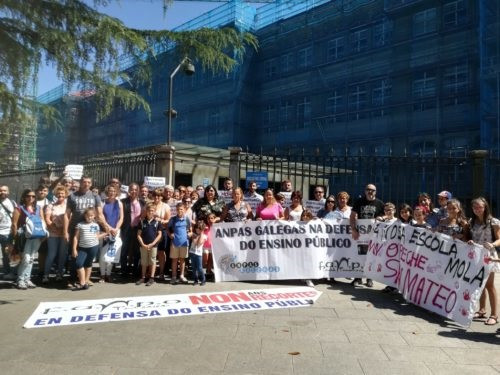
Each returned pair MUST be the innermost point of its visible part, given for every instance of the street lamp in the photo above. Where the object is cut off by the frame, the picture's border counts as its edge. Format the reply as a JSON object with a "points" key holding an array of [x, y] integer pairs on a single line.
{"points": [[171, 113], [188, 68]]}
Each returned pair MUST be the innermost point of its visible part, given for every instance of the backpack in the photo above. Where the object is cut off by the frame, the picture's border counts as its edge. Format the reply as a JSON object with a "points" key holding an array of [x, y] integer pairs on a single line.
{"points": [[34, 226]]}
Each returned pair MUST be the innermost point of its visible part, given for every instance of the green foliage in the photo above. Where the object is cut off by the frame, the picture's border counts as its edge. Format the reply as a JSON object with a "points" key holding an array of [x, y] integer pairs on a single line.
{"points": [[87, 49]]}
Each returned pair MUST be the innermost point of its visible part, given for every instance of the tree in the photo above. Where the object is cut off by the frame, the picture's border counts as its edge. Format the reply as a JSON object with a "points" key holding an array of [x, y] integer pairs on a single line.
{"points": [[86, 47]]}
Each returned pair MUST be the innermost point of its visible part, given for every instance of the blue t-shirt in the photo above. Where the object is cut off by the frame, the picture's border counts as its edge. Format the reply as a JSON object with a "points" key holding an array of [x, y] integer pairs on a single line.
{"points": [[179, 227]]}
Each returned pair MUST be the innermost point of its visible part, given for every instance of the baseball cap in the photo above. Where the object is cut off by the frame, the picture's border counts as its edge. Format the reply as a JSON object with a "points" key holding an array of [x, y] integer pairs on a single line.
{"points": [[445, 194]]}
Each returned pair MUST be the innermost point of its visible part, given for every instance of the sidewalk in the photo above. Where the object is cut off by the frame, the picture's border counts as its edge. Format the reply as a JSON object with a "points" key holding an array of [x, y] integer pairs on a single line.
{"points": [[348, 331]]}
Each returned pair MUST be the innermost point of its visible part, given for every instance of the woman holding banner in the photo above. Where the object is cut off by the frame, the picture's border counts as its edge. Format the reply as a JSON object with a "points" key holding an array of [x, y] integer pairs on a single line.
{"points": [[210, 203], [269, 209], [237, 210], [485, 231]]}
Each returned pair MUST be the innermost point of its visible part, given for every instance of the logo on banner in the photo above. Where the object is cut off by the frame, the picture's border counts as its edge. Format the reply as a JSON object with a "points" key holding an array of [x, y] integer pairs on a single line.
{"points": [[230, 263], [342, 264]]}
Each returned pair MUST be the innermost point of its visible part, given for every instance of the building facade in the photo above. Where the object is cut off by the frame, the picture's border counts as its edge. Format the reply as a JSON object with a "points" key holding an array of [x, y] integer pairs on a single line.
{"points": [[357, 77]]}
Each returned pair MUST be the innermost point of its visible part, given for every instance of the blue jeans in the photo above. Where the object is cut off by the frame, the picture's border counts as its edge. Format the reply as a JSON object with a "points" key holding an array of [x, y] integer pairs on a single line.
{"points": [[196, 264], [4, 241], [27, 258], [86, 256], [57, 248]]}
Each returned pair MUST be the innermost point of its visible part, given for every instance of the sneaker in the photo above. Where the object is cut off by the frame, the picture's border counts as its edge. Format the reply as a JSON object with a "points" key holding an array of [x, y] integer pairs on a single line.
{"points": [[369, 283], [139, 282], [45, 280], [195, 282], [309, 283], [9, 277], [85, 286], [30, 284], [22, 285], [150, 282], [183, 280], [356, 281], [173, 281]]}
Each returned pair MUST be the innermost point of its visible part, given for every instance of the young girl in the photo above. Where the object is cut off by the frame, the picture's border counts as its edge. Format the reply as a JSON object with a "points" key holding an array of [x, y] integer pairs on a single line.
{"points": [[485, 231], [207, 245], [196, 252], [405, 213], [389, 211], [419, 218], [455, 225], [85, 247]]}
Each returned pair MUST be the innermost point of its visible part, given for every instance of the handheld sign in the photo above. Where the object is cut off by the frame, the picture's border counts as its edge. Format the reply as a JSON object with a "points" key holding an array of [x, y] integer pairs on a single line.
{"points": [[154, 182], [75, 171]]}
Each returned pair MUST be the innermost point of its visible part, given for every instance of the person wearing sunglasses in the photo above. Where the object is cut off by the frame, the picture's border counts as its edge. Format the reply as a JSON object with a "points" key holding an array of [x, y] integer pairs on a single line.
{"points": [[31, 245], [367, 207]]}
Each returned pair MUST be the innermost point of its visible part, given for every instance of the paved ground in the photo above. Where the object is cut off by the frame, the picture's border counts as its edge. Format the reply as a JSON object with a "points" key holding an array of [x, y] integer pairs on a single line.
{"points": [[348, 331]]}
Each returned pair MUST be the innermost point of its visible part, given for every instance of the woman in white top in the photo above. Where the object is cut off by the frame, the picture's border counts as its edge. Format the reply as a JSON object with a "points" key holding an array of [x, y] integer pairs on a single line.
{"points": [[294, 212], [485, 230], [343, 211]]}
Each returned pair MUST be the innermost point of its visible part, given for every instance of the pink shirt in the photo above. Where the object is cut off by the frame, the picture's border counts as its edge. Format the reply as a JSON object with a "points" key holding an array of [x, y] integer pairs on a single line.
{"points": [[273, 212], [135, 213]]}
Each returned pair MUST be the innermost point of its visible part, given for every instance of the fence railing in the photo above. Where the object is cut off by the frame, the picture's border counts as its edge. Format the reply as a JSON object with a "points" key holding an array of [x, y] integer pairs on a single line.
{"points": [[399, 178]]}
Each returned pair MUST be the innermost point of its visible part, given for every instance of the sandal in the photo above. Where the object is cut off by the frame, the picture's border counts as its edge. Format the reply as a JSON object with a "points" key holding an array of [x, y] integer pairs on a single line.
{"points": [[90, 283], [491, 321], [478, 315]]}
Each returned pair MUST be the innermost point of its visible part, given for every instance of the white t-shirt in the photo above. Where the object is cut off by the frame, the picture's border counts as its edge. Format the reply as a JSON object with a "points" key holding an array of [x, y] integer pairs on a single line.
{"points": [[6, 216]]}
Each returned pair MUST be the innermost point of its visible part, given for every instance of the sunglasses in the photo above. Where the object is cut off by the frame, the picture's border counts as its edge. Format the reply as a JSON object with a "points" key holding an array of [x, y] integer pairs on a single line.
{"points": [[330, 201], [370, 190]]}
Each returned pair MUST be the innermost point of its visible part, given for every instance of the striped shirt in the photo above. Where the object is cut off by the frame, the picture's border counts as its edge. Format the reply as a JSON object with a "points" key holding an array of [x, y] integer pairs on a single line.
{"points": [[88, 234]]}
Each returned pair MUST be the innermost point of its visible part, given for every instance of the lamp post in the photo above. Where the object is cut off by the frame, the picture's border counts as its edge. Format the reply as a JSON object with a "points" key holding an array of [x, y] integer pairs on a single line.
{"points": [[171, 113]]}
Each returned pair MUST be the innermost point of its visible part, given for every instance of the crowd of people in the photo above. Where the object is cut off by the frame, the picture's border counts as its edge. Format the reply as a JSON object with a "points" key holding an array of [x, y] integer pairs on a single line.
{"points": [[70, 224]]}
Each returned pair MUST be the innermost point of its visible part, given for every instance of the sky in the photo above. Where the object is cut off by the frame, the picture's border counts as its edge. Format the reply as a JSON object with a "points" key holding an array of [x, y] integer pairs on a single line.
{"points": [[140, 14]]}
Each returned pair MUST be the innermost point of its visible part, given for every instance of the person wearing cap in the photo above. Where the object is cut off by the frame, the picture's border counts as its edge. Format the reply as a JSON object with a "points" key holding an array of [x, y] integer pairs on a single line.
{"points": [[443, 199]]}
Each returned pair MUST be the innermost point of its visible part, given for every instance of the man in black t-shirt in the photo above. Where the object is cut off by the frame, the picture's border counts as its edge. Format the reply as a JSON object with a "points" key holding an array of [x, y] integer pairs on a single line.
{"points": [[367, 207]]}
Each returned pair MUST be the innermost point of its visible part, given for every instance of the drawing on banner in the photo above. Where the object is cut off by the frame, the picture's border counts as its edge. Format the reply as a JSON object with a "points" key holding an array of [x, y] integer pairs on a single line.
{"points": [[54, 314]]}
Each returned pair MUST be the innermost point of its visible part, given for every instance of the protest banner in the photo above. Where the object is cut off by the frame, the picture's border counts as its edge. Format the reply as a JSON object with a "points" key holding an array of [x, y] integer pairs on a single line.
{"points": [[75, 171], [259, 177], [280, 250], [431, 270], [253, 202], [154, 182], [226, 195], [54, 314]]}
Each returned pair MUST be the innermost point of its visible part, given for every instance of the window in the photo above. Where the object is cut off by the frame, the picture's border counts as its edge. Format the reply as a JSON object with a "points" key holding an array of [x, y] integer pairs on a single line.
{"points": [[286, 111], [424, 85], [304, 57], [269, 115], [454, 14], [425, 22], [382, 34], [357, 102], [214, 118], [455, 79], [381, 92], [287, 62], [304, 112], [335, 49], [270, 68], [335, 103], [360, 40]]}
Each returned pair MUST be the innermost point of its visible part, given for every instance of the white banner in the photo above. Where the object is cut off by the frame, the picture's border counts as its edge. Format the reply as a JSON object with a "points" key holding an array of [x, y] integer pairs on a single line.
{"points": [[280, 250], [430, 269], [154, 182], [54, 314], [75, 171]]}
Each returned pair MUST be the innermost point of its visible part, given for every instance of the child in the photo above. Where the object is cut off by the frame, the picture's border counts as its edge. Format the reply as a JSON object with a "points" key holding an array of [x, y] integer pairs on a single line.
{"points": [[85, 247], [207, 246], [179, 229], [148, 235], [389, 211], [196, 252], [419, 218]]}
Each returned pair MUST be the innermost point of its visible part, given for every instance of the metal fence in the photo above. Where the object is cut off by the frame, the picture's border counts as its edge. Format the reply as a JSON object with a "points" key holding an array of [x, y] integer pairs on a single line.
{"points": [[399, 178]]}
